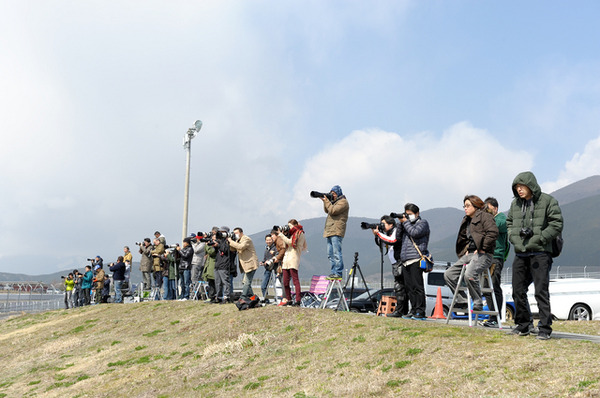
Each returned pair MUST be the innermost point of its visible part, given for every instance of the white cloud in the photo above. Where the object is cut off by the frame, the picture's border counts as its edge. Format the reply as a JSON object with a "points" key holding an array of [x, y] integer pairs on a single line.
{"points": [[581, 166], [380, 171]]}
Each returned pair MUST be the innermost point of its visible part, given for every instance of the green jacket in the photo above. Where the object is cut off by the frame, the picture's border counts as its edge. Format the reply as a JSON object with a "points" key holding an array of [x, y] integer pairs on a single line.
{"points": [[541, 214], [209, 264], [502, 245]]}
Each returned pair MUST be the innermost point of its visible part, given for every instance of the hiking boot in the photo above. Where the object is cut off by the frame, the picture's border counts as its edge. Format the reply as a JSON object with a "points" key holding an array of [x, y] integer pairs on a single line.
{"points": [[543, 336]]}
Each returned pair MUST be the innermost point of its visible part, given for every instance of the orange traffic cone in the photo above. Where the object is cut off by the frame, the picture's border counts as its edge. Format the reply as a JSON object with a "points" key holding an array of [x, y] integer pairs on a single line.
{"points": [[438, 312]]}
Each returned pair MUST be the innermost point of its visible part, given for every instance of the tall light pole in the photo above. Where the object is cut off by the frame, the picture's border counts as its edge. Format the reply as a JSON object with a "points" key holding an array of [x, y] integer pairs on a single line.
{"points": [[187, 145]]}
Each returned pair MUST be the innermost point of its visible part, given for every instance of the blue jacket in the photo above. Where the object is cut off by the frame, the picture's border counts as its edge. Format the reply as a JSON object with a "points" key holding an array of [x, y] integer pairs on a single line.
{"points": [[88, 277], [118, 271]]}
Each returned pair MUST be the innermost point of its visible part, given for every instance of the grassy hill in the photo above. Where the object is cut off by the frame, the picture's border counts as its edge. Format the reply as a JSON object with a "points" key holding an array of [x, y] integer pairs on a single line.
{"points": [[181, 349]]}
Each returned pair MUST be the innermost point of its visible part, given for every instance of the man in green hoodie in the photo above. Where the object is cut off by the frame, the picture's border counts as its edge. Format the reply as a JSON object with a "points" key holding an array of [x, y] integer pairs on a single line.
{"points": [[533, 221]]}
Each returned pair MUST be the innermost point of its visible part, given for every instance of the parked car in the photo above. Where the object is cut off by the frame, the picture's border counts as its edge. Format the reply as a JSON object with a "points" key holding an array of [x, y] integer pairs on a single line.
{"points": [[570, 299], [362, 303]]}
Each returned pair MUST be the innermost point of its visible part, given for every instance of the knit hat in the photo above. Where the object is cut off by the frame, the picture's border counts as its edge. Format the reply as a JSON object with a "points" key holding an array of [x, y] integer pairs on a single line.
{"points": [[337, 189]]}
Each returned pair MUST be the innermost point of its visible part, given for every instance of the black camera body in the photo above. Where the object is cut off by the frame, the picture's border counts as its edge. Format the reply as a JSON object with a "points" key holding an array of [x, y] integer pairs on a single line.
{"points": [[284, 229], [526, 233], [91, 259], [398, 215], [316, 194], [366, 225]]}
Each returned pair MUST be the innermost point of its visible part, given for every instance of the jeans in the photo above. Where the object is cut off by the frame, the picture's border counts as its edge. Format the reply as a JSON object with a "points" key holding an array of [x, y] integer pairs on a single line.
{"points": [[247, 284], [184, 283], [265, 283], [169, 286], [118, 294], [68, 299], [334, 253], [476, 263], [526, 269]]}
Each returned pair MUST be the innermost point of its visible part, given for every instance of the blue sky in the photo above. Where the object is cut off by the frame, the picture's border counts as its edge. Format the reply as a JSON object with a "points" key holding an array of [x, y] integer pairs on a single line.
{"points": [[395, 101]]}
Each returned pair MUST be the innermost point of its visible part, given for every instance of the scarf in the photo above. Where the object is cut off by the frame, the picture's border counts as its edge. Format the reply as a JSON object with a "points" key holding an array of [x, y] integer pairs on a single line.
{"points": [[295, 232]]}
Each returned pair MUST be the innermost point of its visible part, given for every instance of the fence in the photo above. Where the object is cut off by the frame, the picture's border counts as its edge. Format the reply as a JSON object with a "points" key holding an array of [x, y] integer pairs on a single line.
{"points": [[18, 297]]}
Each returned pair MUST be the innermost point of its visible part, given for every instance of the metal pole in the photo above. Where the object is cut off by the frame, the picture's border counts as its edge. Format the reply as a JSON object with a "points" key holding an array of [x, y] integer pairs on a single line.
{"points": [[186, 195]]}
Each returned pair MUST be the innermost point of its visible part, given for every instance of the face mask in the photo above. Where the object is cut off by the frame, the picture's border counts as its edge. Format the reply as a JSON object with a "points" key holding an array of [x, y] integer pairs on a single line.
{"points": [[412, 217], [237, 236]]}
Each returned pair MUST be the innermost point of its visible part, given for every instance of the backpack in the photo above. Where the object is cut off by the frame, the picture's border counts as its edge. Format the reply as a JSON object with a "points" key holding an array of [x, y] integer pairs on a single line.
{"points": [[557, 245], [245, 303]]}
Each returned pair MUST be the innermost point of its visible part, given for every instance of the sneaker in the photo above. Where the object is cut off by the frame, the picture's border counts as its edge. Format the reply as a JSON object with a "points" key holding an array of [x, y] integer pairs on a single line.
{"points": [[490, 324], [419, 317], [543, 336], [394, 314], [334, 276], [534, 330], [520, 332], [408, 316], [477, 307], [282, 303]]}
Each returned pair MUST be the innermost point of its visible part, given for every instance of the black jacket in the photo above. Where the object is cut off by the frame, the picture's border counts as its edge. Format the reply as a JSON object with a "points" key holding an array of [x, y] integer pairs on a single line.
{"points": [[118, 271], [187, 253]]}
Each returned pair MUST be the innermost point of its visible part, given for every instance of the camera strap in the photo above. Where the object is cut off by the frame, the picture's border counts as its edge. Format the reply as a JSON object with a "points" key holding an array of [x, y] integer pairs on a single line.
{"points": [[527, 204]]}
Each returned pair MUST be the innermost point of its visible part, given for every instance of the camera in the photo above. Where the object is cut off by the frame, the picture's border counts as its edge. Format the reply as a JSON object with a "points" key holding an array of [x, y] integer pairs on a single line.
{"points": [[175, 246], [62, 277], [366, 225], [139, 243], [284, 229], [526, 233], [398, 215], [316, 194], [91, 259]]}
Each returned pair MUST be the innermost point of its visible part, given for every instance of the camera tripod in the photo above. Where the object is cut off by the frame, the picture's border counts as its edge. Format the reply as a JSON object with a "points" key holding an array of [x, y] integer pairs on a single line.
{"points": [[356, 267]]}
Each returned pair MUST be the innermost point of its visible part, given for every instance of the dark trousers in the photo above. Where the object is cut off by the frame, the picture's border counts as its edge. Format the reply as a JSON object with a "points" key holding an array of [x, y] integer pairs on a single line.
{"points": [[526, 269], [496, 272], [86, 296], [400, 291], [413, 281]]}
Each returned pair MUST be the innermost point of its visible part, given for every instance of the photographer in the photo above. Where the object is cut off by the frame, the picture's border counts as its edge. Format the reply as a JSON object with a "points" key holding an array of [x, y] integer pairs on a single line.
{"points": [[224, 262], [336, 206], [475, 245], [118, 270], [187, 253], [296, 244], [146, 262], [69, 286], [170, 262], [269, 264], [100, 276], [208, 273], [387, 234], [248, 260], [415, 238], [157, 252], [77, 299], [97, 262], [198, 258], [533, 221], [86, 284]]}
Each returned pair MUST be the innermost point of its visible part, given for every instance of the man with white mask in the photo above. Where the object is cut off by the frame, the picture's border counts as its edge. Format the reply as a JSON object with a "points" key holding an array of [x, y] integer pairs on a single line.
{"points": [[248, 260]]}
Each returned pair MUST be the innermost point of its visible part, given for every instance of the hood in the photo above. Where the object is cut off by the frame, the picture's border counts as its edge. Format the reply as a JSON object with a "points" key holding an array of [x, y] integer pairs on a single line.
{"points": [[528, 179]]}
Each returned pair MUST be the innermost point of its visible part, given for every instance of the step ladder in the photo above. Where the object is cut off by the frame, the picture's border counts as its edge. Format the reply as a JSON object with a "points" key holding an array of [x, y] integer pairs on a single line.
{"points": [[155, 293], [335, 283], [461, 286], [275, 284], [200, 291]]}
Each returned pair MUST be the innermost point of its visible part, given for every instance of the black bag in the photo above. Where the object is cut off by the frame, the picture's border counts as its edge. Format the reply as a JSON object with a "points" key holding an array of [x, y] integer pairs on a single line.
{"points": [[557, 245], [245, 303]]}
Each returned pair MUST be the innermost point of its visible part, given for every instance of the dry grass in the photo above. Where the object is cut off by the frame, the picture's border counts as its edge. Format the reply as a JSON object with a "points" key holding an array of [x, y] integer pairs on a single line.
{"points": [[180, 349]]}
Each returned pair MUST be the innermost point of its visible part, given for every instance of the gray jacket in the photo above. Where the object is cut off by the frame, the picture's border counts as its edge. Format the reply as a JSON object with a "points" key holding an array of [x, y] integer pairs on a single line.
{"points": [[199, 253], [419, 231]]}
